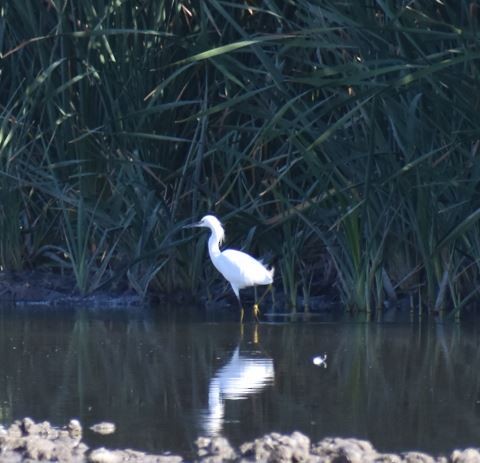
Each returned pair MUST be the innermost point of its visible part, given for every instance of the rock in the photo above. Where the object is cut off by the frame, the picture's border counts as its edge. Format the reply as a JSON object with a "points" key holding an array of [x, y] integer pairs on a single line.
{"points": [[276, 447], [39, 448], [103, 428], [74, 429], [465, 456], [102, 455], [28, 426], [27, 441], [67, 453], [214, 449], [350, 450], [388, 458], [417, 457], [14, 430], [9, 456]]}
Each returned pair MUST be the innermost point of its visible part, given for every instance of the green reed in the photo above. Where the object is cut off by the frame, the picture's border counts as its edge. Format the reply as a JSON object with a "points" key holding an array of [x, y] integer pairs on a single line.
{"points": [[348, 132]]}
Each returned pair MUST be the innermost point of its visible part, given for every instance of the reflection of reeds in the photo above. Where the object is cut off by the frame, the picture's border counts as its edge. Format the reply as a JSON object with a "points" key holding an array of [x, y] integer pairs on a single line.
{"points": [[402, 386]]}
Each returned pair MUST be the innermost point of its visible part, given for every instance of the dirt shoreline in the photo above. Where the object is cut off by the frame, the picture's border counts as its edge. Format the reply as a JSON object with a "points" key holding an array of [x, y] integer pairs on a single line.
{"points": [[33, 288], [27, 441], [37, 288]]}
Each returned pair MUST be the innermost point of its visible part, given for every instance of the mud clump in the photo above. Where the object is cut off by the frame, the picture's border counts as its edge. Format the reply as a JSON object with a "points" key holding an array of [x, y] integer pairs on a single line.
{"points": [[103, 428], [27, 441]]}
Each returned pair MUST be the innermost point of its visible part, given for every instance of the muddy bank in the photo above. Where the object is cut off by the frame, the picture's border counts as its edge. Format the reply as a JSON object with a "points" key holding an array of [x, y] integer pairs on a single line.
{"points": [[27, 441], [33, 288], [43, 288]]}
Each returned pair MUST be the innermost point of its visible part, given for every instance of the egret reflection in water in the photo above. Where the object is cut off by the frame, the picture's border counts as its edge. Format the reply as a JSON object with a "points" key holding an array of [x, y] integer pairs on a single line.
{"points": [[245, 374]]}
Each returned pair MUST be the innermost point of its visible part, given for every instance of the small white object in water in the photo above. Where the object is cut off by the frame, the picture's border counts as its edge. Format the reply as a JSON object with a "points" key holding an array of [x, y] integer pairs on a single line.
{"points": [[320, 360]]}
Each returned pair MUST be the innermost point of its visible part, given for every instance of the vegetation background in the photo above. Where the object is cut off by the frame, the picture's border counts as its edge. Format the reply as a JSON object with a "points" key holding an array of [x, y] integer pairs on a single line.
{"points": [[340, 138]]}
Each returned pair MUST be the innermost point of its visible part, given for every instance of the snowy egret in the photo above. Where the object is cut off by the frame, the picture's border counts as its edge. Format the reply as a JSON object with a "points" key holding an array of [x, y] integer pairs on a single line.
{"points": [[239, 269]]}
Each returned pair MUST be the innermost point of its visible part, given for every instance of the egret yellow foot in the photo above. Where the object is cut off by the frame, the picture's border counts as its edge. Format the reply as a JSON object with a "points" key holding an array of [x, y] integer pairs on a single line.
{"points": [[256, 312]]}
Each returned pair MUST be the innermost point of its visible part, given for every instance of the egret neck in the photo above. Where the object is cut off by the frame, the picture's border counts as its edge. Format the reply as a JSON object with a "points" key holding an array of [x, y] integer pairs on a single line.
{"points": [[216, 237]]}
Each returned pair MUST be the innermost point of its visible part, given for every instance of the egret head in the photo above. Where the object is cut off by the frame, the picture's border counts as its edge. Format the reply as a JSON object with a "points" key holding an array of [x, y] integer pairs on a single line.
{"points": [[211, 222]]}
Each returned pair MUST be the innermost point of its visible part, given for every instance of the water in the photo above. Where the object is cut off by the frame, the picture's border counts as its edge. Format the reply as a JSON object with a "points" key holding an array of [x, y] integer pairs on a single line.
{"points": [[165, 379]]}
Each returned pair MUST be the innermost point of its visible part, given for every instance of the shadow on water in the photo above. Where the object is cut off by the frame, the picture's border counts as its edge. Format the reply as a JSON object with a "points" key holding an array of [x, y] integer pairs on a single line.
{"points": [[166, 379]]}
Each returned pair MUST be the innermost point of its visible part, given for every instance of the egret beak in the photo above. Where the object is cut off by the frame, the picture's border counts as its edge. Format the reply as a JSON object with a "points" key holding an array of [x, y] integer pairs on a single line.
{"points": [[193, 225]]}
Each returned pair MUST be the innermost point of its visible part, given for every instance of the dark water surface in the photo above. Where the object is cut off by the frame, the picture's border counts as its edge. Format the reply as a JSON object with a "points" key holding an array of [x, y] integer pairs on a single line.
{"points": [[165, 379]]}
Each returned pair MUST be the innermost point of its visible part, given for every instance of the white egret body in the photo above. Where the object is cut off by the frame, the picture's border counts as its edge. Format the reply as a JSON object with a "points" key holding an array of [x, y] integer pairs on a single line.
{"points": [[239, 269]]}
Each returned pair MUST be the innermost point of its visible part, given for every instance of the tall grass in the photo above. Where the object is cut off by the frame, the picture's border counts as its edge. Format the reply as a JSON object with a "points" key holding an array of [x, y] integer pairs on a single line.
{"points": [[324, 131]]}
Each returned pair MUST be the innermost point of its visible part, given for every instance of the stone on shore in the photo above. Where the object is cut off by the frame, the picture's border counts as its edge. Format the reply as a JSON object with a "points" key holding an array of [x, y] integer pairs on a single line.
{"points": [[24, 440]]}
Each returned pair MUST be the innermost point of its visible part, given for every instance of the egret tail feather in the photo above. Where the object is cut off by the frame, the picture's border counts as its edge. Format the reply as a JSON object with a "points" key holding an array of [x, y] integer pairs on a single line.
{"points": [[271, 271]]}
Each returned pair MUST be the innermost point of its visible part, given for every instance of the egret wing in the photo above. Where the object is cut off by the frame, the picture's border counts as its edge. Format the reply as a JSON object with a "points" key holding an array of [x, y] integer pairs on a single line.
{"points": [[242, 269]]}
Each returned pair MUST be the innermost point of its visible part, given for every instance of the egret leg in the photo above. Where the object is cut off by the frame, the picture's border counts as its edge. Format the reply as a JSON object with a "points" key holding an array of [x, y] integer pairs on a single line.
{"points": [[242, 311], [256, 307], [256, 312]]}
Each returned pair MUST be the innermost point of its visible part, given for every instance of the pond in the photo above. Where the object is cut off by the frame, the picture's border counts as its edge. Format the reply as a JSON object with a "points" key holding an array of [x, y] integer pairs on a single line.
{"points": [[166, 376]]}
